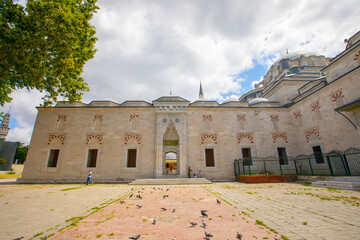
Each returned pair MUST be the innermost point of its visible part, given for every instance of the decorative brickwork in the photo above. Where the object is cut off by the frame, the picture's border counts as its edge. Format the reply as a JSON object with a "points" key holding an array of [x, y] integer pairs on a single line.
{"points": [[357, 57], [133, 116], [98, 117], [337, 98], [53, 137], [275, 136], [129, 137], [97, 137], [207, 117], [61, 117], [312, 134], [241, 117], [208, 136], [314, 106], [297, 114], [249, 136], [274, 117]]}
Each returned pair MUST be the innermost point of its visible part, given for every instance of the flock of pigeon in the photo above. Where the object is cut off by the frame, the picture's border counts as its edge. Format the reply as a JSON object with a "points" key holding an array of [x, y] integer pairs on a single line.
{"points": [[192, 224]]}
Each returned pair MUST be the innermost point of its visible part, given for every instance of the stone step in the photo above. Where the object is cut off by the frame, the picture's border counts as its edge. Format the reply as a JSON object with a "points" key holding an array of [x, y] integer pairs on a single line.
{"points": [[338, 184], [346, 179], [173, 181]]}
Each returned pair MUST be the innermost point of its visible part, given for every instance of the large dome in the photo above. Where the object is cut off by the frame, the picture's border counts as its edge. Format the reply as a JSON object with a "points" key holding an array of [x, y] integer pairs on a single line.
{"points": [[294, 55]]}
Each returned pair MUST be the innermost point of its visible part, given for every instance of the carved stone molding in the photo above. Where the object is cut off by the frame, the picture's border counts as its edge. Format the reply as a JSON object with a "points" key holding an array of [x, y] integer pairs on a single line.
{"points": [[97, 137], [275, 136], [249, 136], [208, 136], [207, 117], [171, 108], [129, 137], [312, 134], [61, 117], [53, 137]]}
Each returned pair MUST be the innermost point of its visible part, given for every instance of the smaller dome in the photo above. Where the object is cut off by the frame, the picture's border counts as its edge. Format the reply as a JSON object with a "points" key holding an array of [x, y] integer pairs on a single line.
{"points": [[230, 100], [258, 100]]}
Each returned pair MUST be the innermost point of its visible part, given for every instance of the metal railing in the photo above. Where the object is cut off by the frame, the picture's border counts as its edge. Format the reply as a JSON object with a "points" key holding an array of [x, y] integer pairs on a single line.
{"points": [[334, 163]]}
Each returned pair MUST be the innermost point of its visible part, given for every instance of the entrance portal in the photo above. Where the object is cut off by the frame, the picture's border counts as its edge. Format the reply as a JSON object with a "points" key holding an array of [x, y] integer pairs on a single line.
{"points": [[170, 163]]}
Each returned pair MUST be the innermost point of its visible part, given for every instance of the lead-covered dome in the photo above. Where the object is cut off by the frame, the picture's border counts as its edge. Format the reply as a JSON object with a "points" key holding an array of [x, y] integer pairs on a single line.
{"points": [[257, 100], [294, 55]]}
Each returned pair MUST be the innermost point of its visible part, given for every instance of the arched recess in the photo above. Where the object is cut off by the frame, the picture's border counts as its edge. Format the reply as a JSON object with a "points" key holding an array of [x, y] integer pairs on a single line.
{"points": [[171, 159]]}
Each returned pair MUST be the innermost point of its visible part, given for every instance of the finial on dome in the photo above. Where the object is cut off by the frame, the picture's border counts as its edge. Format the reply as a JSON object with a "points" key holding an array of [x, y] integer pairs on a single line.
{"points": [[201, 93]]}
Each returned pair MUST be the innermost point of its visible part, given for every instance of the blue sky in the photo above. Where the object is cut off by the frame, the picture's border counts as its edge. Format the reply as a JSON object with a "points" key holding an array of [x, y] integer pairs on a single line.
{"points": [[147, 48]]}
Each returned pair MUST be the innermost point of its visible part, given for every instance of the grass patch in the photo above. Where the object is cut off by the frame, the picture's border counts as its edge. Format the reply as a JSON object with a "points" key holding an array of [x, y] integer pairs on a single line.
{"points": [[258, 222], [304, 223], [284, 237], [68, 189], [38, 234], [99, 235]]}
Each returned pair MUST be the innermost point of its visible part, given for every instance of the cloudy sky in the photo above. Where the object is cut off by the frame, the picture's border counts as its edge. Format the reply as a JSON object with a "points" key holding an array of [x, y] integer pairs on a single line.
{"points": [[148, 48]]}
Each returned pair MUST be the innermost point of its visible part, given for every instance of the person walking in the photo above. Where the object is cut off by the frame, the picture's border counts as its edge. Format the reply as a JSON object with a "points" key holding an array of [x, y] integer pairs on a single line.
{"points": [[89, 178]]}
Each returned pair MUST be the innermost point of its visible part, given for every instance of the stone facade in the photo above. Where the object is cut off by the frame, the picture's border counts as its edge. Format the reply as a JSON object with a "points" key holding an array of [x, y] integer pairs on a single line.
{"points": [[301, 103]]}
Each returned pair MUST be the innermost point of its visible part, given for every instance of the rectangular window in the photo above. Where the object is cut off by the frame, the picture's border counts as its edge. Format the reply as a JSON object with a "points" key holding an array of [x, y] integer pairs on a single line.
{"points": [[246, 154], [283, 159], [92, 157], [318, 154], [131, 158], [209, 157], [53, 158]]}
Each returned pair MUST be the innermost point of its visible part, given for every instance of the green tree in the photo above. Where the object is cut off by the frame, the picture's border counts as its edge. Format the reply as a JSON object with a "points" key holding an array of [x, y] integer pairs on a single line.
{"points": [[21, 152], [45, 46]]}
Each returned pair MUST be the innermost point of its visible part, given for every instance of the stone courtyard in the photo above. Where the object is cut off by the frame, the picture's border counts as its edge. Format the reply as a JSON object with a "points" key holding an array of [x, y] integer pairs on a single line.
{"points": [[257, 211]]}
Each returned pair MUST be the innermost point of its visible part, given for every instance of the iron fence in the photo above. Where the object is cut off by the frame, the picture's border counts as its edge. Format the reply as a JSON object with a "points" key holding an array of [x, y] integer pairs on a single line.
{"points": [[334, 163]]}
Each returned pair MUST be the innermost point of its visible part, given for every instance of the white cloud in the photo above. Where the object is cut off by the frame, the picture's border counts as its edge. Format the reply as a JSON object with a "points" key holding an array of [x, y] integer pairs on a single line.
{"points": [[147, 48]]}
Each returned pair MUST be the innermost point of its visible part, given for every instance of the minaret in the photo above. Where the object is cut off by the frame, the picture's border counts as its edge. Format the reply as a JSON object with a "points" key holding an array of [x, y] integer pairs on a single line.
{"points": [[4, 128], [201, 93]]}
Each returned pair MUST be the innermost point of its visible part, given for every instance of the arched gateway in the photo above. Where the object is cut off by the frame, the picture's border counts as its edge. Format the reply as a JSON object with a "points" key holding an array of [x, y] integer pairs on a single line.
{"points": [[171, 137]]}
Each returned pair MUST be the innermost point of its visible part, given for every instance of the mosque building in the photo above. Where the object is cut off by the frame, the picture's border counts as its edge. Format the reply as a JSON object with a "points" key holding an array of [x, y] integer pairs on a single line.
{"points": [[305, 104]]}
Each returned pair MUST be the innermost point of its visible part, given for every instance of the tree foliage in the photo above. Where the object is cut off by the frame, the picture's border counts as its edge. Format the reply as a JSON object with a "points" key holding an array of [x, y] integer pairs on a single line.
{"points": [[21, 152], [45, 46]]}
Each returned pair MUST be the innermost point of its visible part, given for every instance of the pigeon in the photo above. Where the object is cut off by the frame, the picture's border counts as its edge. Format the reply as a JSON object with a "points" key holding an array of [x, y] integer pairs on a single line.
{"points": [[167, 189], [45, 238], [139, 206], [18, 238], [217, 201], [203, 223], [164, 209], [204, 214], [154, 221], [193, 224], [122, 202], [239, 236], [173, 210], [276, 237], [132, 189], [138, 191], [208, 235], [135, 237], [174, 238], [139, 196], [143, 188], [131, 195]]}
